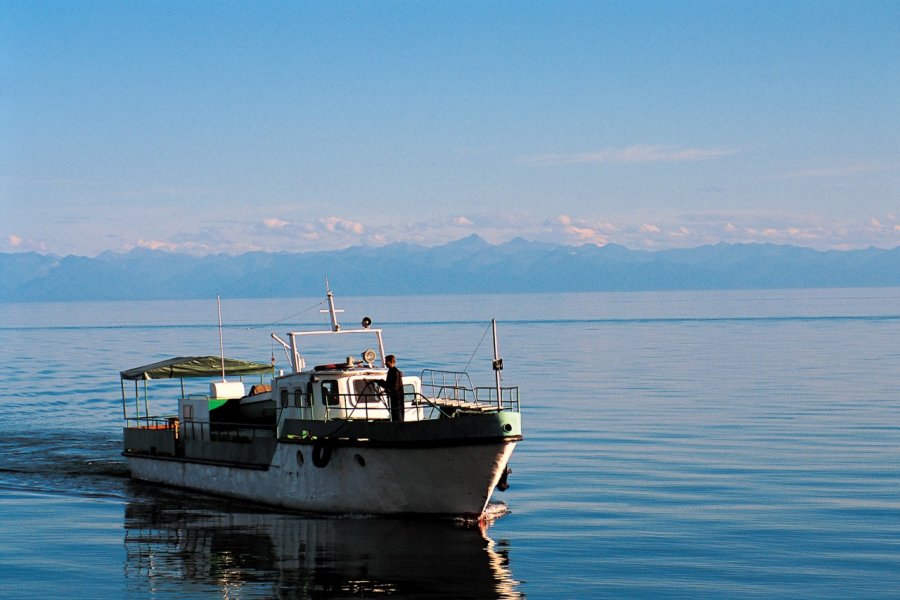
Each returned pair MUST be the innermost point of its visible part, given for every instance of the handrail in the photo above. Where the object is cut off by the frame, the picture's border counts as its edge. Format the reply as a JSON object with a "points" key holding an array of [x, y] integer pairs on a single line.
{"points": [[352, 404], [349, 406], [509, 397], [449, 385], [456, 376], [152, 422], [225, 432], [443, 400]]}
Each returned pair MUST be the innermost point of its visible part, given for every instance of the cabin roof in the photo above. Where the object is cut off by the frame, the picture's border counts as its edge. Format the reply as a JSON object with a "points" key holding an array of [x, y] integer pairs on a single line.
{"points": [[195, 366]]}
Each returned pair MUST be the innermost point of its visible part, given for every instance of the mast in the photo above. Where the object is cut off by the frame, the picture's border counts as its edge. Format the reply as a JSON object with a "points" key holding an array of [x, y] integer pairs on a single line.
{"points": [[292, 348], [221, 341], [332, 311], [497, 364]]}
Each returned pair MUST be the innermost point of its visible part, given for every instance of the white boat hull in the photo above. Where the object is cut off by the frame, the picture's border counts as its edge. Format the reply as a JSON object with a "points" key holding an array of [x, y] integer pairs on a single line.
{"points": [[357, 479]]}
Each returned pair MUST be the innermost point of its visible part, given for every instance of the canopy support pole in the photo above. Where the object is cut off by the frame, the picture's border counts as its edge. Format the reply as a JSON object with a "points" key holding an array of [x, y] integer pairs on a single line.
{"points": [[137, 401], [124, 410], [146, 404]]}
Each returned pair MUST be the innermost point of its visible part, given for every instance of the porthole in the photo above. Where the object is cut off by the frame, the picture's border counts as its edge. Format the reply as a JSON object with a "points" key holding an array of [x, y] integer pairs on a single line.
{"points": [[299, 458], [507, 427], [360, 460]]}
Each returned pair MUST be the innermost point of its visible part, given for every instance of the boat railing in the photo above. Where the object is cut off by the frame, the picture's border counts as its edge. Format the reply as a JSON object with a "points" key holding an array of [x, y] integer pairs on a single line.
{"points": [[376, 407], [152, 422], [369, 406], [449, 385], [373, 405], [202, 430], [509, 397], [216, 431], [455, 389], [438, 407]]}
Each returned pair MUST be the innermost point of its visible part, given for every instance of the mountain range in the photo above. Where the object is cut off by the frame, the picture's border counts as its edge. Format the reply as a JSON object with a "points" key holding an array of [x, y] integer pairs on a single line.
{"points": [[468, 265]]}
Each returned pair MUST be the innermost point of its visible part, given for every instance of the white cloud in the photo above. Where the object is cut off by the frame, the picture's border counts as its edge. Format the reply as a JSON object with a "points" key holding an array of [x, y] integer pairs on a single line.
{"points": [[846, 170], [161, 245], [562, 228], [691, 230], [189, 246], [17, 242], [638, 153], [585, 233], [273, 223], [339, 224], [650, 231]]}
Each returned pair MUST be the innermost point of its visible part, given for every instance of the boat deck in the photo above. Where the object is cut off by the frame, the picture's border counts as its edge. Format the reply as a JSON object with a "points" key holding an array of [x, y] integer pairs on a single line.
{"points": [[462, 405]]}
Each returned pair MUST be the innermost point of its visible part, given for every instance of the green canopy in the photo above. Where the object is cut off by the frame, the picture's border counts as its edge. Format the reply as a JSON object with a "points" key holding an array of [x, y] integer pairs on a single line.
{"points": [[195, 366]]}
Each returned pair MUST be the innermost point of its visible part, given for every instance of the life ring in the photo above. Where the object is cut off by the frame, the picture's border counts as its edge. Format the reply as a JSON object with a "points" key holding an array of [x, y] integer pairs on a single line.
{"points": [[321, 452]]}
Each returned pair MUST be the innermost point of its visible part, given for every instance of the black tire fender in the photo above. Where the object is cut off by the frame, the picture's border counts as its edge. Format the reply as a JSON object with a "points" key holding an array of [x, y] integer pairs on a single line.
{"points": [[321, 453]]}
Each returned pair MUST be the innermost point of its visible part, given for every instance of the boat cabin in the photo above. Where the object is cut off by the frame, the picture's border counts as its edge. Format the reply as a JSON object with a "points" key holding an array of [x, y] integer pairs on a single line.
{"points": [[344, 391]]}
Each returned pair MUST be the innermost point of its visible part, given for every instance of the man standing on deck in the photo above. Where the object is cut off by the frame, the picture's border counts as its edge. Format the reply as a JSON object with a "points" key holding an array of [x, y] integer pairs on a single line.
{"points": [[394, 386]]}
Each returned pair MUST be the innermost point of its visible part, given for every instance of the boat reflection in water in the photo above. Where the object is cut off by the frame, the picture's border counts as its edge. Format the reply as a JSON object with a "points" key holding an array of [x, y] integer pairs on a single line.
{"points": [[184, 544]]}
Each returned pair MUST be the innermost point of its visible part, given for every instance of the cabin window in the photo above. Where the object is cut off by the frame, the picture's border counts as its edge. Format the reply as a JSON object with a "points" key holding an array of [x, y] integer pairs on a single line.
{"points": [[367, 391], [298, 397], [284, 398], [330, 393]]}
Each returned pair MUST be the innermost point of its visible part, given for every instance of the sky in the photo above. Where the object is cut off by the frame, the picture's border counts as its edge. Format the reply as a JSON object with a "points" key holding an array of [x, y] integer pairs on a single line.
{"points": [[228, 127]]}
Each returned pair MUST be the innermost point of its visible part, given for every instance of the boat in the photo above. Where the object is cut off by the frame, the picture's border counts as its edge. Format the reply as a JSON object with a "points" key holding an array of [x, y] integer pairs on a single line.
{"points": [[323, 439]]}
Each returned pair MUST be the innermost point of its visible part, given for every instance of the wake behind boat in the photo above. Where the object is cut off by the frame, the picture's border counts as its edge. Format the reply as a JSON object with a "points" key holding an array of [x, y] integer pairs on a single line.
{"points": [[325, 439]]}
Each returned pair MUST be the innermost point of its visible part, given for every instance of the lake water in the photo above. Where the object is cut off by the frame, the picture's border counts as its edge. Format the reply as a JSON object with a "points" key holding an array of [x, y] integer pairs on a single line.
{"points": [[741, 444]]}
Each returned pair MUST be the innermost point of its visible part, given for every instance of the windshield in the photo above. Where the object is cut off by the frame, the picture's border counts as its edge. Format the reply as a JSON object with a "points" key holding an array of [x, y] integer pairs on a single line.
{"points": [[368, 390]]}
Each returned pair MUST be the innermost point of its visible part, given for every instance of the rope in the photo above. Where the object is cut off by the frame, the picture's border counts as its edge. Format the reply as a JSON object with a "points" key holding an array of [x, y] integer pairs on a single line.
{"points": [[305, 310], [466, 368]]}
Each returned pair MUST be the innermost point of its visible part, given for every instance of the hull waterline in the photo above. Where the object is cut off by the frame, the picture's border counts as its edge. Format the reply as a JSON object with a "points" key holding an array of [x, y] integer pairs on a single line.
{"points": [[457, 480]]}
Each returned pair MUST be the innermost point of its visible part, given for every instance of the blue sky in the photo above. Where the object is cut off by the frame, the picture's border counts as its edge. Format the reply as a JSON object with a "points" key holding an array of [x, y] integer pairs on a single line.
{"points": [[282, 126]]}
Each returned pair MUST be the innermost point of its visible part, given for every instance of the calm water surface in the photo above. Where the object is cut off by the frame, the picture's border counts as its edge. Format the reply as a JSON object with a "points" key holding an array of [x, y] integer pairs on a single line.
{"points": [[678, 445]]}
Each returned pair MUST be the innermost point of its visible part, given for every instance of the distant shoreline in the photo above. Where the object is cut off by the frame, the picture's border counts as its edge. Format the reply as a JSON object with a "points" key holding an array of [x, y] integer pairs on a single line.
{"points": [[467, 266]]}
